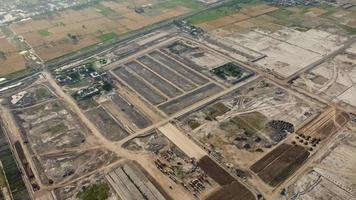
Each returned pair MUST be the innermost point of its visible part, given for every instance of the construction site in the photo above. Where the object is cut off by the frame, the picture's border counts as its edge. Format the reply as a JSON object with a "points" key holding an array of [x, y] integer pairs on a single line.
{"points": [[240, 126], [53, 145], [172, 162], [236, 101], [333, 79]]}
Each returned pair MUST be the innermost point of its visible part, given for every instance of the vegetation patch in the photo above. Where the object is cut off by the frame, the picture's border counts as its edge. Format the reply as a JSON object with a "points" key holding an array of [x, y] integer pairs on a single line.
{"points": [[94, 192], [216, 110], [108, 36], [254, 119], [193, 124], [212, 14], [250, 123], [174, 3], [106, 11], [57, 128], [44, 32], [281, 13], [228, 70]]}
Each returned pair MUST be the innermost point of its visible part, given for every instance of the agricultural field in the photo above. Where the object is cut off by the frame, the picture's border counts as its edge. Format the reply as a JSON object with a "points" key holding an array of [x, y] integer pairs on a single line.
{"points": [[282, 41], [10, 59], [279, 164], [70, 30], [16, 184], [333, 79]]}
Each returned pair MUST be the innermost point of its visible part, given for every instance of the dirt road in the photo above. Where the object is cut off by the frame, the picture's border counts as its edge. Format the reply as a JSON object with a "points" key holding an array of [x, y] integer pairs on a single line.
{"points": [[182, 141]]}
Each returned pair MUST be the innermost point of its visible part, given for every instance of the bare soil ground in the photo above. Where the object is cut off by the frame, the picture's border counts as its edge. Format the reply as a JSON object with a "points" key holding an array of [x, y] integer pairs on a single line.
{"points": [[11, 61]]}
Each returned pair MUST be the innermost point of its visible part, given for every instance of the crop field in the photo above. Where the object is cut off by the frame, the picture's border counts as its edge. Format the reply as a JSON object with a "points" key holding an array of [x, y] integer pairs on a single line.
{"points": [[279, 164], [64, 32], [12, 172], [289, 39], [10, 59], [215, 171], [326, 124], [230, 188]]}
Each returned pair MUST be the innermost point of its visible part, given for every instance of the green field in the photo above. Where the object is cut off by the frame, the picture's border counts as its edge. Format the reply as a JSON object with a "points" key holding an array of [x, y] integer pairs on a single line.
{"points": [[193, 124], [108, 36], [192, 4], [57, 128], [94, 192], [44, 32], [212, 14], [250, 122], [106, 11]]}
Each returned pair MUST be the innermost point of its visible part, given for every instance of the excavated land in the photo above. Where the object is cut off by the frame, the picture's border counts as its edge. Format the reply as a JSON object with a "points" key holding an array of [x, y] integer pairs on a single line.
{"points": [[174, 163], [239, 127], [57, 147]]}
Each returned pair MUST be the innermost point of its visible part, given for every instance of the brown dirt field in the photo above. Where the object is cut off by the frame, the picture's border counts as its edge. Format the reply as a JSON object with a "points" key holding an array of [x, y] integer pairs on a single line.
{"points": [[268, 158], [294, 9], [215, 171], [174, 12], [330, 127], [119, 8], [281, 167], [206, 27], [246, 24], [263, 21], [352, 23], [239, 17], [223, 21], [234, 191], [258, 10], [14, 62], [231, 189], [6, 47], [316, 11], [129, 24], [63, 47]]}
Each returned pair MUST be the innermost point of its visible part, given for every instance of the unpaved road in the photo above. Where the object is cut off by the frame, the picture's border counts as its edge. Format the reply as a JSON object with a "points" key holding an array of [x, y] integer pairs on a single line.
{"points": [[182, 141]]}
